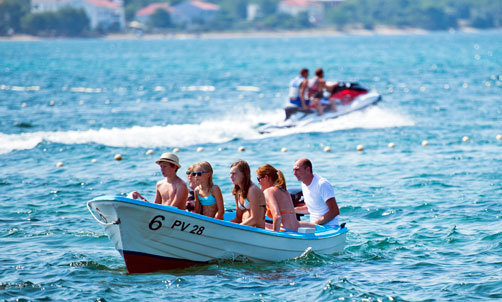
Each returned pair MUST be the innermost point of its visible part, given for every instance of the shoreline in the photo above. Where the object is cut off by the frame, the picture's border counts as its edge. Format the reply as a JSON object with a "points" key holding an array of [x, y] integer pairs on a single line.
{"points": [[381, 30]]}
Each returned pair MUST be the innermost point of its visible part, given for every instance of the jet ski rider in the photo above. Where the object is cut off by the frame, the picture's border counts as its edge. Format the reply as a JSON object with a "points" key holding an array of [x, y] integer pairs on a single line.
{"points": [[316, 87], [298, 90]]}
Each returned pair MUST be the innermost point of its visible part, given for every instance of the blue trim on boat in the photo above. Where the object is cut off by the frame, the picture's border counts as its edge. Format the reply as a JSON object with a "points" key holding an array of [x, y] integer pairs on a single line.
{"points": [[321, 231]]}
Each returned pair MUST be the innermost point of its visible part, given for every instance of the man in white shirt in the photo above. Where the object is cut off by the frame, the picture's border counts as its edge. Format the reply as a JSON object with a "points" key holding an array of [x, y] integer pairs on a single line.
{"points": [[318, 194]]}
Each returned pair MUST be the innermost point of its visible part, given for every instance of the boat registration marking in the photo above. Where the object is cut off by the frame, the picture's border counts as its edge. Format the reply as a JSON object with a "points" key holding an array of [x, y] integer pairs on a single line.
{"points": [[183, 226], [156, 223]]}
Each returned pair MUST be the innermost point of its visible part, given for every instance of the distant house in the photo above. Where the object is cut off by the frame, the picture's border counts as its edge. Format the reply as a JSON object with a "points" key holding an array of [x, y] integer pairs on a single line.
{"points": [[329, 3], [190, 12], [144, 14], [314, 10], [103, 14]]}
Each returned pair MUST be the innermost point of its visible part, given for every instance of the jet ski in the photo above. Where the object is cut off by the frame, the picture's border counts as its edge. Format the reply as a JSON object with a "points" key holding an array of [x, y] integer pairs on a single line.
{"points": [[349, 97]]}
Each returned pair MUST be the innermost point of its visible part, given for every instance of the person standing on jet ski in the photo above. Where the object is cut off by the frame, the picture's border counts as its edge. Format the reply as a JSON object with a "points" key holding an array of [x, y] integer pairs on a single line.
{"points": [[316, 87], [298, 90]]}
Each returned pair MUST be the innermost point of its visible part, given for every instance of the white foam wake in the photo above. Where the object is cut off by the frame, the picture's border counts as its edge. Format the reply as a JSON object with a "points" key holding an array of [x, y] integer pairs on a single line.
{"points": [[238, 125], [373, 117]]}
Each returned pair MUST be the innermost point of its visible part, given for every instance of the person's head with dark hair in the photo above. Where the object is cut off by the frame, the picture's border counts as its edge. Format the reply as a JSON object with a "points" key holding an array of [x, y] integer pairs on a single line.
{"points": [[303, 170], [319, 72], [304, 72], [240, 174]]}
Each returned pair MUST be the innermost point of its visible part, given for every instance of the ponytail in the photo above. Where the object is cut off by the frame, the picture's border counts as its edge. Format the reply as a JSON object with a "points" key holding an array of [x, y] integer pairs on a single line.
{"points": [[281, 181]]}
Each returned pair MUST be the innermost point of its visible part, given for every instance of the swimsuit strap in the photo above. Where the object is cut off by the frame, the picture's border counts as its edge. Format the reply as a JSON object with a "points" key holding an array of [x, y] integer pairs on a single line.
{"points": [[281, 188], [288, 212]]}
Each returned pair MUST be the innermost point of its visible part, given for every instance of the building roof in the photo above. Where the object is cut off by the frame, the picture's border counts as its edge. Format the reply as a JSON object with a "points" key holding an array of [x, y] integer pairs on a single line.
{"points": [[150, 9], [35, 1], [296, 2], [205, 5], [103, 3]]}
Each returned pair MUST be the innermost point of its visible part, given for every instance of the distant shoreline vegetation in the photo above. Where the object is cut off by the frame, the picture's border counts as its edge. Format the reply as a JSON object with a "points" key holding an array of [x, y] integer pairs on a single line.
{"points": [[233, 15]]}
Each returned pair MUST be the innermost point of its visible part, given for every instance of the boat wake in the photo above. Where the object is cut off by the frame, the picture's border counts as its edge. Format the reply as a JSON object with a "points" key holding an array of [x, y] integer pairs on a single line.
{"points": [[241, 125]]}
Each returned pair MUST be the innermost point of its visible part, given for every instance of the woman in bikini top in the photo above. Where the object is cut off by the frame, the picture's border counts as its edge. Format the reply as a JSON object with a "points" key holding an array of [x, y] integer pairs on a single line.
{"points": [[279, 204], [249, 199]]}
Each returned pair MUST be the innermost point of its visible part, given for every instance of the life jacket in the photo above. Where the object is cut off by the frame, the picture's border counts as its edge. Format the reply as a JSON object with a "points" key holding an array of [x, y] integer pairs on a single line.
{"points": [[294, 88]]}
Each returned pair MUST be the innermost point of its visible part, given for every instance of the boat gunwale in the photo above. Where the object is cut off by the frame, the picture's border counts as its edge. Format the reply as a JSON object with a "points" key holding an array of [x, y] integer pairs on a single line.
{"points": [[318, 235]]}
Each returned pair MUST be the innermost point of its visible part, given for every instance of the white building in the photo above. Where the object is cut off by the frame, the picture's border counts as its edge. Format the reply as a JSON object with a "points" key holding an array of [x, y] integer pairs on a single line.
{"points": [[103, 14], [314, 10], [252, 11]]}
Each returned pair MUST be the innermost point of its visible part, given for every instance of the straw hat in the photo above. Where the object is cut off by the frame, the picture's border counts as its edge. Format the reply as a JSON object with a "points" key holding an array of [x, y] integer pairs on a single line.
{"points": [[169, 158]]}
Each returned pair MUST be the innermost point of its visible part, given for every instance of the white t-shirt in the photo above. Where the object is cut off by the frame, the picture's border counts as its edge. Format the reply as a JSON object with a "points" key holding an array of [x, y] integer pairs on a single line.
{"points": [[315, 196]]}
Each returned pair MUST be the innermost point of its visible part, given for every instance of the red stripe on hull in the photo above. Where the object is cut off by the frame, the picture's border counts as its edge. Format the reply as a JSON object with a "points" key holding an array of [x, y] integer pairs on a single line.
{"points": [[146, 263]]}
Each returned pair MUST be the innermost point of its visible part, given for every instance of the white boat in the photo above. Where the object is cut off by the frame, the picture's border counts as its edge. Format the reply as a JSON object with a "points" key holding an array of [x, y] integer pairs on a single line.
{"points": [[152, 237]]}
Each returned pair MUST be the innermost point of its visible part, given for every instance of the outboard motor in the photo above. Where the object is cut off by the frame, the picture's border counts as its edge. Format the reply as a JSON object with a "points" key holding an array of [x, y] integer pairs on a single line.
{"points": [[297, 198]]}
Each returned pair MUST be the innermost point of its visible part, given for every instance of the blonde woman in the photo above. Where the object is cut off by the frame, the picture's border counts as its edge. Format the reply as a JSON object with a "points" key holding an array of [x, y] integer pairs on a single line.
{"points": [[279, 204], [208, 196]]}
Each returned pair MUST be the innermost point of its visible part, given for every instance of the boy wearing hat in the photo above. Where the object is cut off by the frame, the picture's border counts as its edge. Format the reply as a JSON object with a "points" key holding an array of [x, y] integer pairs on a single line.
{"points": [[172, 190]]}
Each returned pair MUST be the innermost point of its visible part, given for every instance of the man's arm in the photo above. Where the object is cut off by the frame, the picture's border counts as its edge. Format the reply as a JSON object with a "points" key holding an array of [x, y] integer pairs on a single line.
{"points": [[332, 212], [180, 197], [303, 86], [302, 210], [158, 197]]}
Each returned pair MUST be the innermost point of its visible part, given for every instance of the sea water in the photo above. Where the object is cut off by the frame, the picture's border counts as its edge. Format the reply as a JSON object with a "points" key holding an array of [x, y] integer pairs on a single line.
{"points": [[425, 221]]}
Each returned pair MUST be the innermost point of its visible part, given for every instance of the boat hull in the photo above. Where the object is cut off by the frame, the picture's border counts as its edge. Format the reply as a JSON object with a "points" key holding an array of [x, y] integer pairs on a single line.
{"points": [[153, 237]]}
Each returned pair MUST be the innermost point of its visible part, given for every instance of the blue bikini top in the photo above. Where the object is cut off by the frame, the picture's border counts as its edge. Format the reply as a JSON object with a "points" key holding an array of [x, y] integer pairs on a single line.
{"points": [[207, 201]]}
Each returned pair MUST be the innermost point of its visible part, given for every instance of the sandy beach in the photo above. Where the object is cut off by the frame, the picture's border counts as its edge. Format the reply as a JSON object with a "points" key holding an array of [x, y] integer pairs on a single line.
{"points": [[381, 30]]}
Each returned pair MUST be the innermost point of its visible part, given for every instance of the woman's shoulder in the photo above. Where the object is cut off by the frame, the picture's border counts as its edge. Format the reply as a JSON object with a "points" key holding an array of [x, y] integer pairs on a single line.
{"points": [[255, 192], [215, 190]]}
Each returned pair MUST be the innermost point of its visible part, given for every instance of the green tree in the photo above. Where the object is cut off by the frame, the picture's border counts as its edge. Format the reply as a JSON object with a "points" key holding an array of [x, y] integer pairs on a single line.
{"points": [[267, 7], [67, 22], [11, 13], [72, 22], [235, 8], [160, 19]]}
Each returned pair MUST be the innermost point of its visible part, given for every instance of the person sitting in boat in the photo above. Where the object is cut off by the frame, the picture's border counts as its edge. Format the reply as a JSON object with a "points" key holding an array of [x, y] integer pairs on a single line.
{"points": [[298, 90], [208, 197], [318, 194], [279, 204], [171, 191], [316, 87], [190, 204], [249, 199]]}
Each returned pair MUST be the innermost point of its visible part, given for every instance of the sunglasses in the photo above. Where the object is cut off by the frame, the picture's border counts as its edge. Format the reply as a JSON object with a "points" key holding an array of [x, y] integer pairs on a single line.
{"points": [[195, 173], [259, 178]]}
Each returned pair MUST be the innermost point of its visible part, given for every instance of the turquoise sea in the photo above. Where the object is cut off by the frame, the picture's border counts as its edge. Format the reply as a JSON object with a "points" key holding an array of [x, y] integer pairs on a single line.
{"points": [[425, 221]]}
